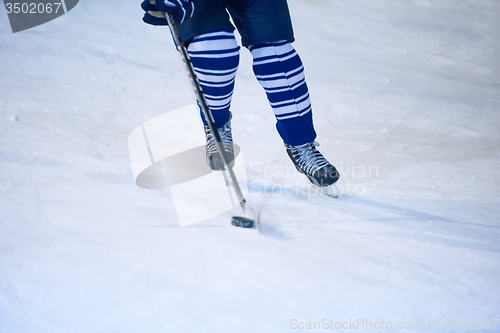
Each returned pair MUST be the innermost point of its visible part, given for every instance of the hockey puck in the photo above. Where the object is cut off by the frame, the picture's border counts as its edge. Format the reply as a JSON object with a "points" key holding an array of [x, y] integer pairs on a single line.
{"points": [[242, 222]]}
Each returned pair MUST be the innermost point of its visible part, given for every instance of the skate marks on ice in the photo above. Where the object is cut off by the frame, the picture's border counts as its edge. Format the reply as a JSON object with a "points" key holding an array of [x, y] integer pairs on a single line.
{"points": [[439, 222], [319, 228], [283, 206], [423, 215], [392, 237], [390, 147]]}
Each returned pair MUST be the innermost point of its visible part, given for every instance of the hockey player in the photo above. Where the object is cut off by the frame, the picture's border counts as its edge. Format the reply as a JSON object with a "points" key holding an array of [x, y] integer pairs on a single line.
{"points": [[266, 30]]}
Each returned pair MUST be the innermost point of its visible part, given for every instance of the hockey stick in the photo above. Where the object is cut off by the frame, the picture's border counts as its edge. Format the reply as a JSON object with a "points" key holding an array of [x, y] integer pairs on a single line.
{"points": [[252, 221]]}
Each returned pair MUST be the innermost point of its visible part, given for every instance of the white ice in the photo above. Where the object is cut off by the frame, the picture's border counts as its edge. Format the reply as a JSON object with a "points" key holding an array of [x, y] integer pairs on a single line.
{"points": [[406, 99]]}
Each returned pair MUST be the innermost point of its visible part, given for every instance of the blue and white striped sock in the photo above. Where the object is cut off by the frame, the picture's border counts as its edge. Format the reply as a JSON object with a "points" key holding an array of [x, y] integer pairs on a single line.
{"points": [[215, 57], [279, 70]]}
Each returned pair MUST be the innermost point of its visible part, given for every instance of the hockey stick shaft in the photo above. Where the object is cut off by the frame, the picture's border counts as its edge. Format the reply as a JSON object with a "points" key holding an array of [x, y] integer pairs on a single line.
{"points": [[206, 110]]}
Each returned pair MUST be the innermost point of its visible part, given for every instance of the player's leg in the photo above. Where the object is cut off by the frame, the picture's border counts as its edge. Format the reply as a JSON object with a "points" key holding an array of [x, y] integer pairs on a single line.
{"points": [[266, 29], [279, 70], [215, 58], [214, 53]]}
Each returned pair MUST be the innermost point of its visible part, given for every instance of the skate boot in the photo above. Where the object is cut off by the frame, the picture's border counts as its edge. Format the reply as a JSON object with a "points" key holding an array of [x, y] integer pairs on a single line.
{"points": [[214, 159], [310, 162]]}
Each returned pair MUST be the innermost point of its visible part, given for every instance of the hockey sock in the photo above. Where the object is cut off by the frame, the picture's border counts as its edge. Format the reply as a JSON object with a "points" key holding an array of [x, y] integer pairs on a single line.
{"points": [[215, 57], [279, 70]]}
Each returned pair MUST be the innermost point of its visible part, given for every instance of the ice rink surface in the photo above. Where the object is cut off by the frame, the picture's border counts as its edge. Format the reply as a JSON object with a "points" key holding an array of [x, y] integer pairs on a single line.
{"points": [[406, 100]]}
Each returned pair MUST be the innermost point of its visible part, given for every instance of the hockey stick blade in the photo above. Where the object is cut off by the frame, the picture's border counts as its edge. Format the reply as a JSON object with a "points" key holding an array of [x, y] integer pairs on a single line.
{"points": [[251, 221], [244, 222]]}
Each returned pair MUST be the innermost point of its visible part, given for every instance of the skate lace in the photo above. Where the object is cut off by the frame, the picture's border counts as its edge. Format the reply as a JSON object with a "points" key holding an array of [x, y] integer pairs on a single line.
{"points": [[308, 158], [225, 136]]}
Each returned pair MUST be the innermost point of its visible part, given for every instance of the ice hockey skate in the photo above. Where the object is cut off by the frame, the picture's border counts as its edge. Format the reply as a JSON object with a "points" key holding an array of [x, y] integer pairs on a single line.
{"points": [[310, 162], [214, 159]]}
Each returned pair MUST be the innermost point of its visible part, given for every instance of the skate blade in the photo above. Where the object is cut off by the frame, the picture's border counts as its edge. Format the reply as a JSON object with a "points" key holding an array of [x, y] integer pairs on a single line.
{"points": [[330, 190]]}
